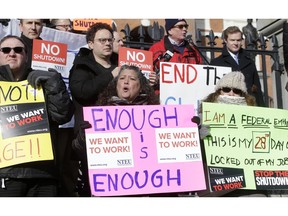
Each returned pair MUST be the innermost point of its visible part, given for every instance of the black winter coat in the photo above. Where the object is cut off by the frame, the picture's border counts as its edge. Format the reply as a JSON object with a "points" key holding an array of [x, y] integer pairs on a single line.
{"points": [[60, 110], [29, 43], [87, 80], [247, 67]]}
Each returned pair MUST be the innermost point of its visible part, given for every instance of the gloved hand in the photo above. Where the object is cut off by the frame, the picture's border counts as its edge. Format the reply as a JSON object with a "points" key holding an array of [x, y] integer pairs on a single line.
{"points": [[81, 134], [36, 77], [196, 120], [4, 22], [79, 143], [204, 130]]}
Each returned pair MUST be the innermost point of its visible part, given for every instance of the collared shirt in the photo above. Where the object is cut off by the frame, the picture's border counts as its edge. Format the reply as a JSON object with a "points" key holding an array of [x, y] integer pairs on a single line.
{"points": [[234, 56], [180, 47], [175, 43]]}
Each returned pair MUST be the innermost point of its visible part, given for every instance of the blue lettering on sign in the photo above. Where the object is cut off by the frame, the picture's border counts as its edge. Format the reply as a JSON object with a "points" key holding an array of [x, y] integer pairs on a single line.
{"points": [[134, 118], [127, 181]]}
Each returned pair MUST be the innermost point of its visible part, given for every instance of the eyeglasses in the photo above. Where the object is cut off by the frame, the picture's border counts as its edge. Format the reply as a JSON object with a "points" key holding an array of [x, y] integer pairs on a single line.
{"points": [[227, 90], [7, 50], [104, 40], [181, 26], [64, 26]]}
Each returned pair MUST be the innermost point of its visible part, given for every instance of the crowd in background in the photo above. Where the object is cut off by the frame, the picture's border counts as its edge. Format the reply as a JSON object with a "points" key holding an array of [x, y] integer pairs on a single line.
{"points": [[96, 79]]}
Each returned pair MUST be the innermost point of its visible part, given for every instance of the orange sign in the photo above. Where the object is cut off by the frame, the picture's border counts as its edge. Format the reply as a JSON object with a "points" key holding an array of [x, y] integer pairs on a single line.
{"points": [[84, 24]]}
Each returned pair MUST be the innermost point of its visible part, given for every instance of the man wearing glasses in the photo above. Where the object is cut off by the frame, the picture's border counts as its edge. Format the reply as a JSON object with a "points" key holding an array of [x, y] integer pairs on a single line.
{"points": [[174, 41], [61, 24], [173, 47], [38, 178], [91, 72]]}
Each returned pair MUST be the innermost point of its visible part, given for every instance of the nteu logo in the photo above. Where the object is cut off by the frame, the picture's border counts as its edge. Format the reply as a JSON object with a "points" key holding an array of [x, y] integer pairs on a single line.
{"points": [[124, 162]]}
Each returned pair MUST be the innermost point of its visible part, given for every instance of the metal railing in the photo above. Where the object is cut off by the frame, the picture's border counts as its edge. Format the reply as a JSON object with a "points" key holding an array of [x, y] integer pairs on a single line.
{"points": [[266, 58]]}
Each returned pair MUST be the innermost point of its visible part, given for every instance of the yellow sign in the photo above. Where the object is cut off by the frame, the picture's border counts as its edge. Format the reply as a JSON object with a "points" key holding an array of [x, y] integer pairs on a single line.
{"points": [[25, 133]]}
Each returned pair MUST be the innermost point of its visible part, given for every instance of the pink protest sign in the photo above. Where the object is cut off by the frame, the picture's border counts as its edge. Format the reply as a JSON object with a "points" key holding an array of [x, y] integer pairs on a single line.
{"points": [[143, 150]]}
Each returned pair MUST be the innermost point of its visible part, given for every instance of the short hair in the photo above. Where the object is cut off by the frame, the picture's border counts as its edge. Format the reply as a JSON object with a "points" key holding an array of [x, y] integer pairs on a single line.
{"points": [[90, 35], [15, 37], [42, 21], [231, 30], [54, 22]]}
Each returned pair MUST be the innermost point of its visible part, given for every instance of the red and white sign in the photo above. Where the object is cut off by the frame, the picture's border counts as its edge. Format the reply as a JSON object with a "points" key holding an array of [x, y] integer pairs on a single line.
{"points": [[140, 58], [47, 54]]}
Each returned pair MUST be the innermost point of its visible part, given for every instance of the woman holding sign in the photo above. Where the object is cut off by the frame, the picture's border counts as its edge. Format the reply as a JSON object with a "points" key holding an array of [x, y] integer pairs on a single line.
{"points": [[230, 89], [130, 87]]}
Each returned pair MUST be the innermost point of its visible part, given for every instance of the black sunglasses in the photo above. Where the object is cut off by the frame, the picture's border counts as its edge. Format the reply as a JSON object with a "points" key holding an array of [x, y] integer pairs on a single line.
{"points": [[181, 26], [7, 50], [227, 90]]}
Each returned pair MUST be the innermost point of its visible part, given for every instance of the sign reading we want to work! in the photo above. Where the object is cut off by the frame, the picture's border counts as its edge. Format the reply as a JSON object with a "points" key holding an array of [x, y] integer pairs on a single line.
{"points": [[248, 147], [25, 131], [143, 149]]}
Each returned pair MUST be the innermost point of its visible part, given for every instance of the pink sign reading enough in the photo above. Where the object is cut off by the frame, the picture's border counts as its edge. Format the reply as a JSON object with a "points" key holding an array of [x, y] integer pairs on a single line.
{"points": [[143, 150]]}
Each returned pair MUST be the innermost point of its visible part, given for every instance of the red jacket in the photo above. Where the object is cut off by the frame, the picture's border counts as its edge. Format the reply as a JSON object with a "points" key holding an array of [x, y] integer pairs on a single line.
{"points": [[190, 54]]}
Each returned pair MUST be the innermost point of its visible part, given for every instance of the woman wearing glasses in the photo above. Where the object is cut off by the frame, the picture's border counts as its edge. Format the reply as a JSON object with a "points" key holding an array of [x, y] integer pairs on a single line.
{"points": [[231, 89]]}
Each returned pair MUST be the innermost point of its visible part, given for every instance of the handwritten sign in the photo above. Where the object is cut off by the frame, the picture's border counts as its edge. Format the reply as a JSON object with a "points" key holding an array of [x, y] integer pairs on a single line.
{"points": [[188, 83], [25, 131], [46, 54], [143, 149], [247, 148], [140, 58]]}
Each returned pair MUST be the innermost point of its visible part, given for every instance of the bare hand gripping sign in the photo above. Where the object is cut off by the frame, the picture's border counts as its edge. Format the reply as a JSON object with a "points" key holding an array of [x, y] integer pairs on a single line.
{"points": [[248, 147], [25, 131], [143, 149]]}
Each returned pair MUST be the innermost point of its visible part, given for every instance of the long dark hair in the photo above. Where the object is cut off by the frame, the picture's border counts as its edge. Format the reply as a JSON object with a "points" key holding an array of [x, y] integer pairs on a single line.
{"points": [[145, 88]]}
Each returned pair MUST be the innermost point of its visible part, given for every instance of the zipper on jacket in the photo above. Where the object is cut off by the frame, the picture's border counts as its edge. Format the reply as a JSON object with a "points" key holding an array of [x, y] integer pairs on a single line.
{"points": [[3, 182]]}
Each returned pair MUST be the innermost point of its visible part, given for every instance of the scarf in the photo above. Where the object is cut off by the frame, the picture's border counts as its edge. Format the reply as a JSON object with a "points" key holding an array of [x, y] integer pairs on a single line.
{"points": [[139, 100], [231, 100]]}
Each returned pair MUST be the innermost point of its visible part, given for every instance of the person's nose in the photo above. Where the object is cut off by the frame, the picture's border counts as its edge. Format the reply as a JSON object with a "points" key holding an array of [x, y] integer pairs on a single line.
{"points": [[12, 52], [126, 80], [33, 26], [231, 93]]}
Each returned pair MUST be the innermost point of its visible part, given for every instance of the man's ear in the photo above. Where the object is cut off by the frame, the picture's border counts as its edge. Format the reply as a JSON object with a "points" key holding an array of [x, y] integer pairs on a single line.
{"points": [[168, 32], [90, 44]]}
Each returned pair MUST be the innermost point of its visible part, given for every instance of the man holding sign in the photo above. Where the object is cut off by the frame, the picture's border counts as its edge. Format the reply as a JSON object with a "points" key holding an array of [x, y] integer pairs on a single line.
{"points": [[27, 167]]}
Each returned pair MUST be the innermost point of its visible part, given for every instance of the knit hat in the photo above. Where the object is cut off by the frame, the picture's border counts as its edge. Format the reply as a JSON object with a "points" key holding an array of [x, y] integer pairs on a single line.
{"points": [[169, 23], [234, 79]]}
